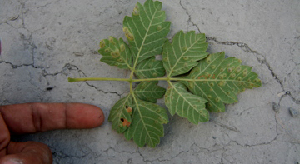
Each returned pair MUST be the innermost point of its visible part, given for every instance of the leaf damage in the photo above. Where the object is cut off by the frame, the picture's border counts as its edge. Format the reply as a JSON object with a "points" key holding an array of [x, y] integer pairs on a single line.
{"points": [[198, 82]]}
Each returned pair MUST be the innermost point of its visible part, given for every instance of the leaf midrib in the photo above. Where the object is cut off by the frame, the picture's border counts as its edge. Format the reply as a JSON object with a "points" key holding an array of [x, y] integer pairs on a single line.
{"points": [[182, 97], [141, 47], [141, 116], [169, 75]]}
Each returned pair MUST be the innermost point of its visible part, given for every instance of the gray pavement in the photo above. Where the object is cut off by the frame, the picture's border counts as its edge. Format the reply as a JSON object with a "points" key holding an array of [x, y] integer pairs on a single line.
{"points": [[45, 41]]}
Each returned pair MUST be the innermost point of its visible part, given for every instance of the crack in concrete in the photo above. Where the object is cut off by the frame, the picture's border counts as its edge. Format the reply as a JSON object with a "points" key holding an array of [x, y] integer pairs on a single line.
{"points": [[231, 128], [10, 19], [27, 41], [258, 144], [22, 65], [190, 17], [242, 45], [260, 58], [71, 67], [48, 3], [22, 12], [288, 94], [67, 66], [90, 85]]}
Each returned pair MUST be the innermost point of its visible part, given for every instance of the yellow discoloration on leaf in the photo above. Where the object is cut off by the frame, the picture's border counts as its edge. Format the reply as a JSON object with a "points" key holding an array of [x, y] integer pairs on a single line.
{"points": [[128, 34]]}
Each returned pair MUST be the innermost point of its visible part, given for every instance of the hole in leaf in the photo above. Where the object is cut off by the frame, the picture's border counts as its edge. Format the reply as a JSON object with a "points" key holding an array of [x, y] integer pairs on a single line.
{"points": [[125, 122]]}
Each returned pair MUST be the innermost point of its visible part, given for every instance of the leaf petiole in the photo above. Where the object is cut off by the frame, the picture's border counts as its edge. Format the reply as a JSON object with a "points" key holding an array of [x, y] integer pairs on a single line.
{"points": [[130, 80], [97, 79]]}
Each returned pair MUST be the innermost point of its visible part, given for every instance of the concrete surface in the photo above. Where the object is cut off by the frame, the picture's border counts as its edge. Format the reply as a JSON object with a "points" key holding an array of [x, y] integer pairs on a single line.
{"points": [[46, 41]]}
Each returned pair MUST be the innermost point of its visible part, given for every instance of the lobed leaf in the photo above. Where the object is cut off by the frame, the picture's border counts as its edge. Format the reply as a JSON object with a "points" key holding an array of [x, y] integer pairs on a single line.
{"points": [[219, 80], [185, 104], [146, 126], [213, 80], [120, 114], [150, 68], [146, 30], [182, 54], [149, 91], [115, 53]]}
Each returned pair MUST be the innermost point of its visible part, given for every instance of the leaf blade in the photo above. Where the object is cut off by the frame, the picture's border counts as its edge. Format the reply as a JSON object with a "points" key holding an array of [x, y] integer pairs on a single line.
{"points": [[219, 80], [146, 127], [146, 30], [149, 91], [150, 68], [185, 104], [115, 53], [182, 54], [120, 114]]}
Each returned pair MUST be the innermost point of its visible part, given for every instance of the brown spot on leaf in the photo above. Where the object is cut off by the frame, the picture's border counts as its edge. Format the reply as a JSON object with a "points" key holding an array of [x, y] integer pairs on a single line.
{"points": [[125, 122], [129, 109]]}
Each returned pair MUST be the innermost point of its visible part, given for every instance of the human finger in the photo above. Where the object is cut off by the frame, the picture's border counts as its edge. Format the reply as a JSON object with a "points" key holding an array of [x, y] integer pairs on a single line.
{"points": [[4, 137], [39, 117], [27, 153]]}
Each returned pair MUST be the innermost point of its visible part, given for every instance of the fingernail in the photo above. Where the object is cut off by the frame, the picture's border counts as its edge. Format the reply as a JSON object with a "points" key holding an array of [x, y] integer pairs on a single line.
{"points": [[13, 161]]}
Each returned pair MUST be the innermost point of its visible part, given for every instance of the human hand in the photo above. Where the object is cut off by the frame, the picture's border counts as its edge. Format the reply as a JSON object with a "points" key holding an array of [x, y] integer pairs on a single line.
{"points": [[40, 117]]}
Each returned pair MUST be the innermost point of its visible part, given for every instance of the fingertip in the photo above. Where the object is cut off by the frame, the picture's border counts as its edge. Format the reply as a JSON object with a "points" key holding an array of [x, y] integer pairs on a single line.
{"points": [[84, 116], [94, 116], [101, 116]]}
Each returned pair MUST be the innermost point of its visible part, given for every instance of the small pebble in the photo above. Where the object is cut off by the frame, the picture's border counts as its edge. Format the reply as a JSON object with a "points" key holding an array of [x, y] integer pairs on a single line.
{"points": [[275, 106], [281, 94], [294, 112], [78, 53]]}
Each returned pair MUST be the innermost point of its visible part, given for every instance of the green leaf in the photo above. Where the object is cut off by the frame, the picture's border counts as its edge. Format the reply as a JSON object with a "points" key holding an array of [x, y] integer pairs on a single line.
{"points": [[203, 83], [146, 30], [185, 104], [149, 91], [150, 68], [115, 53], [120, 114], [146, 126], [219, 80], [182, 54]]}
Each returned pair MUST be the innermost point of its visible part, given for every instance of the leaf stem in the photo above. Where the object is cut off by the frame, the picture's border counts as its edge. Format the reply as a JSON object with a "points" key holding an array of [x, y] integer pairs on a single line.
{"points": [[130, 80], [151, 79], [97, 79], [131, 89]]}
